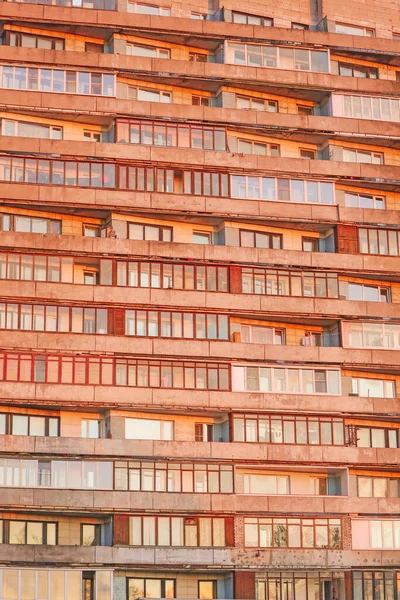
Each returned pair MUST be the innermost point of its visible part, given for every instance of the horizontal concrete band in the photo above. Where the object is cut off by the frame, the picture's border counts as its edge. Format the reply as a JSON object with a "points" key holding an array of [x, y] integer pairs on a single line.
{"points": [[60, 396], [225, 558], [269, 455], [113, 502]]}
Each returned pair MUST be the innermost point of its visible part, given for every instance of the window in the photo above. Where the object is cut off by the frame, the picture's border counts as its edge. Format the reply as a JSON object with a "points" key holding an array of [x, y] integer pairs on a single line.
{"points": [[90, 535], [278, 57], [286, 585], [90, 428], [97, 370], [174, 477], [150, 588], [384, 534], [310, 244], [318, 486], [367, 107], [30, 40], [20, 424], [281, 532], [267, 484], [360, 200], [95, 47], [203, 432], [57, 172], [291, 380], [60, 81], [89, 278], [282, 190], [349, 70], [379, 241], [306, 153], [171, 276], [28, 224], [299, 26], [148, 9], [260, 148], [304, 110], [148, 51], [246, 19], [246, 103], [354, 30], [177, 531], [148, 429], [373, 388], [377, 437], [146, 179], [255, 334], [368, 293], [148, 95], [371, 335], [377, 487], [207, 590], [202, 237], [39, 317], [176, 324], [142, 231], [288, 429], [363, 156], [198, 57], [260, 239], [30, 130], [270, 282], [202, 183], [198, 16], [200, 101], [68, 474], [32, 532], [92, 136], [379, 583], [92, 231], [88, 585], [153, 133]]}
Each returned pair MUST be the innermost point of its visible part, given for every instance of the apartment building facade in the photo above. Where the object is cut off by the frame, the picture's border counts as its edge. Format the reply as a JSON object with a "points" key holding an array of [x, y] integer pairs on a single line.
{"points": [[199, 301]]}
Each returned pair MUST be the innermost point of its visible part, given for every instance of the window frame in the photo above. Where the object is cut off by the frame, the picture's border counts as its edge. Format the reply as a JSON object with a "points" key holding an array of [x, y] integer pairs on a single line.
{"points": [[381, 232], [146, 132], [264, 21], [268, 282], [302, 524], [271, 149], [7, 39], [290, 418], [161, 230]]}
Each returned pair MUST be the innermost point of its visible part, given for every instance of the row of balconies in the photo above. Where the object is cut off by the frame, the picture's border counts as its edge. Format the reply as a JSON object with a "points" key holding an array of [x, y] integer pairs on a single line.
{"points": [[99, 502], [201, 28], [197, 159], [160, 347], [250, 304], [270, 454], [51, 395]]}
